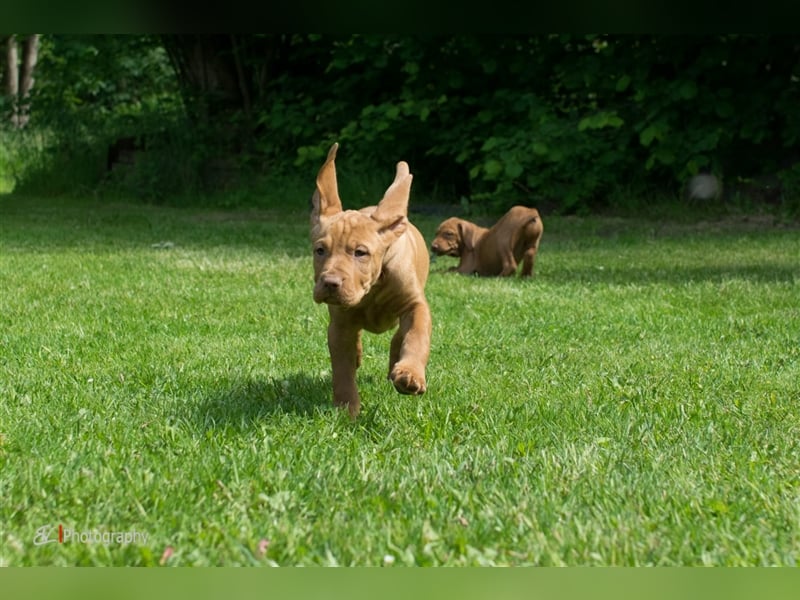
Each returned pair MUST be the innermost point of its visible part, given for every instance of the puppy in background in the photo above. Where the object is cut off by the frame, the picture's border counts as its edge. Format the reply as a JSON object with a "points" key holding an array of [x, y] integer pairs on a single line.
{"points": [[496, 251]]}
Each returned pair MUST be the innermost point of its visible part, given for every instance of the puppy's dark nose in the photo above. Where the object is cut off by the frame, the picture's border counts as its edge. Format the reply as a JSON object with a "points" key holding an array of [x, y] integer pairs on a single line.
{"points": [[332, 282], [435, 247]]}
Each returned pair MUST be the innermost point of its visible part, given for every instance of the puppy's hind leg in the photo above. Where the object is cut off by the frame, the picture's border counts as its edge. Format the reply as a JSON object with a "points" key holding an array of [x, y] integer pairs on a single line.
{"points": [[344, 345], [528, 261], [532, 237], [509, 265]]}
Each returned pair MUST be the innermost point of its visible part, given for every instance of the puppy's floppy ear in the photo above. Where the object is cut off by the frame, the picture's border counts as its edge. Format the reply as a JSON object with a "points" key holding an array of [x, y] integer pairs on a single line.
{"points": [[395, 200], [325, 201], [391, 212], [393, 226], [468, 234]]}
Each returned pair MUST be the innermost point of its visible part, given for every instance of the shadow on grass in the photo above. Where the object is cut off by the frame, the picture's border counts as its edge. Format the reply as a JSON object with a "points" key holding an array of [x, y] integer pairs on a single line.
{"points": [[240, 403], [769, 271], [679, 275]]}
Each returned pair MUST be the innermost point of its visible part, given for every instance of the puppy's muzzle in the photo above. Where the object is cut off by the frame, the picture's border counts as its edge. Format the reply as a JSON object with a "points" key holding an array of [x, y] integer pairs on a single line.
{"points": [[335, 289], [331, 283], [447, 249], [328, 288]]}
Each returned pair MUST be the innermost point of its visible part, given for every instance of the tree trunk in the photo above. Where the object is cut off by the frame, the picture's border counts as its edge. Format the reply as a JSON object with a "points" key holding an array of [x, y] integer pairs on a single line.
{"points": [[19, 77], [30, 54], [12, 72], [223, 75]]}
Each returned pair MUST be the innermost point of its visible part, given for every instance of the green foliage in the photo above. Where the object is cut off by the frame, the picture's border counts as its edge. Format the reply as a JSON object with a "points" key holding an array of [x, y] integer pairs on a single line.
{"points": [[89, 92], [561, 120], [105, 84], [570, 118], [790, 180]]}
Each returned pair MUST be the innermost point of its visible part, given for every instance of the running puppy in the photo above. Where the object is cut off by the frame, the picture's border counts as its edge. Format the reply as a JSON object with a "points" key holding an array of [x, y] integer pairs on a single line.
{"points": [[370, 268]]}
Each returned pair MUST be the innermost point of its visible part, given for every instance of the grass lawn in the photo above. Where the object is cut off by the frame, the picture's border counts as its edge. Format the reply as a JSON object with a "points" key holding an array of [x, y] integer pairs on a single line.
{"points": [[165, 371]]}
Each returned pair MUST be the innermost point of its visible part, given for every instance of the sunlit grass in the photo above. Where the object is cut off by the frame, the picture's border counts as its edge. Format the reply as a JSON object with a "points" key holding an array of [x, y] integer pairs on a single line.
{"points": [[165, 370]]}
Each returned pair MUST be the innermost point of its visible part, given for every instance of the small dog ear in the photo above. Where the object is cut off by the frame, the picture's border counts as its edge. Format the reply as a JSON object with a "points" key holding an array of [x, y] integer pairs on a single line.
{"points": [[395, 200], [466, 232], [325, 200], [393, 226]]}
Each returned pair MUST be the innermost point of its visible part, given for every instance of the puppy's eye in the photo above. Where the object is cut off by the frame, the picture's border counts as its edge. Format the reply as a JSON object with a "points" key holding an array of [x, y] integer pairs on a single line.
{"points": [[360, 253], [319, 251]]}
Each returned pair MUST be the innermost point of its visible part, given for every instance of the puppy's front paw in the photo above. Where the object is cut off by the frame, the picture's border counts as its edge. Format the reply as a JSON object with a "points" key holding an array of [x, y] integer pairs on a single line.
{"points": [[408, 379]]}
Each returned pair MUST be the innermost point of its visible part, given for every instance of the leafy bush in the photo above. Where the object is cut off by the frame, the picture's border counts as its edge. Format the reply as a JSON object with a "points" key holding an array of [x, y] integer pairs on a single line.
{"points": [[572, 122], [570, 119]]}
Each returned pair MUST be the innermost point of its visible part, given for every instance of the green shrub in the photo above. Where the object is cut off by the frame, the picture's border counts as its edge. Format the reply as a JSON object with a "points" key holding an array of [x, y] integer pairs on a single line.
{"points": [[561, 120]]}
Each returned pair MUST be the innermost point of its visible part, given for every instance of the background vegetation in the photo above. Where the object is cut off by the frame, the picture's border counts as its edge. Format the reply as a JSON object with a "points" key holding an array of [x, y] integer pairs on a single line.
{"points": [[566, 122]]}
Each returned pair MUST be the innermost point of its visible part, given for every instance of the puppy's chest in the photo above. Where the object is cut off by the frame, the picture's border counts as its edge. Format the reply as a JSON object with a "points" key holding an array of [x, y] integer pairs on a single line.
{"points": [[380, 309], [378, 322]]}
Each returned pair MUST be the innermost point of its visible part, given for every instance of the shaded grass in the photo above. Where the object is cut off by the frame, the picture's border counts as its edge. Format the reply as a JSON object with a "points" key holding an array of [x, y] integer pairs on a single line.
{"points": [[166, 370]]}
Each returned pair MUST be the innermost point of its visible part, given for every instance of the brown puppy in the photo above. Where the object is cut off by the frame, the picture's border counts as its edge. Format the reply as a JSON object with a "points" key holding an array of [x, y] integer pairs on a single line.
{"points": [[495, 251], [370, 268]]}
